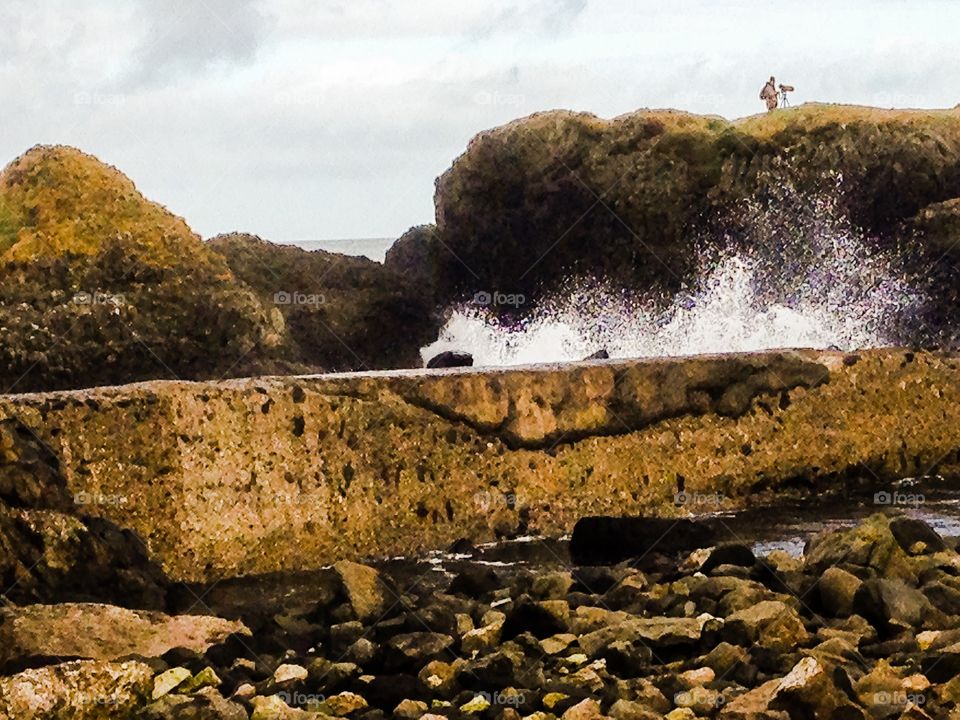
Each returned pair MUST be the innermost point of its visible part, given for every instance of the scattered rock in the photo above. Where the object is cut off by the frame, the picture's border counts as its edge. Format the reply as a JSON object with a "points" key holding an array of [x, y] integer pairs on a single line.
{"points": [[450, 359]]}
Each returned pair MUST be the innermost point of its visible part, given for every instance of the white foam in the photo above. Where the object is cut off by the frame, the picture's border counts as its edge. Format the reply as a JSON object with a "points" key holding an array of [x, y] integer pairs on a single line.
{"points": [[808, 280]]}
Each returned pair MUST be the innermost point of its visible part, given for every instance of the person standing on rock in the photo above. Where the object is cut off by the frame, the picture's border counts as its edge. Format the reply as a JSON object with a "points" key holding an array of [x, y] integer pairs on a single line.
{"points": [[769, 94]]}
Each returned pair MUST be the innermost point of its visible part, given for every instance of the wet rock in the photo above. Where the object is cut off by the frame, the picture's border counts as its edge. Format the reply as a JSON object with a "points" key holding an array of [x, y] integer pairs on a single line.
{"points": [[600, 354], [79, 690], [610, 540], [475, 582], [871, 544], [450, 359], [364, 588], [729, 554], [915, 536], [33, 633]]}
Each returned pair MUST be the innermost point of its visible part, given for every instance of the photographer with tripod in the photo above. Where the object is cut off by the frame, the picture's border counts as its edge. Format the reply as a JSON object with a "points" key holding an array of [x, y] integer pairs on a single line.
{"points": [[772, 97]]}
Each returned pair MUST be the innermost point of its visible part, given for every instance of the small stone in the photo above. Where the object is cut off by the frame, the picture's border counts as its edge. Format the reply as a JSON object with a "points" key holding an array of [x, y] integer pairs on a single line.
{"points": [[697, 677], [166, 681], [345, 703], [205, 678], [410, 709], [244, 691], [556, 644], [289, 673], [575, 659], [681, 714], [584, 710], [477, 705], [551, 700]]}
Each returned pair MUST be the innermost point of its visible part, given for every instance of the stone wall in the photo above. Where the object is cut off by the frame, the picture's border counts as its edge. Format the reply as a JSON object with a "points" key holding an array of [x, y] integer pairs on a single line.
{"points": [[263, 474]]}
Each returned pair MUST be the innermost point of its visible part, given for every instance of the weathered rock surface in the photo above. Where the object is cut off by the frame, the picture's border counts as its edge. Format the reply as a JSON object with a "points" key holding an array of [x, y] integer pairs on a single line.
{"points": [[81, 690], [35, 633], [521, 207], [269, 474]]}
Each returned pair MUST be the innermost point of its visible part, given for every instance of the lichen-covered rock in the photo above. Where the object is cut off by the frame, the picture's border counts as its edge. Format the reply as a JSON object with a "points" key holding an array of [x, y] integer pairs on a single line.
{"points": [[78, 690]]}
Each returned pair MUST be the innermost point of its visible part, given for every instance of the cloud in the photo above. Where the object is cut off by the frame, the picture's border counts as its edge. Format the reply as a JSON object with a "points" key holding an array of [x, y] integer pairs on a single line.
{"points": [[190, 36]]}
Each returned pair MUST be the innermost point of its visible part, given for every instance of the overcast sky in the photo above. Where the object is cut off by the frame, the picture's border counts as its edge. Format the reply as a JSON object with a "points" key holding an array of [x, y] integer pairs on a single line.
{"points": [[313, 119]]}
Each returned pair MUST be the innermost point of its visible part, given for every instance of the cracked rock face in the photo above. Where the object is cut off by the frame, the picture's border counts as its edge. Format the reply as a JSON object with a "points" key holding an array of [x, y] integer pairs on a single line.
{"points": [[250, 476]]}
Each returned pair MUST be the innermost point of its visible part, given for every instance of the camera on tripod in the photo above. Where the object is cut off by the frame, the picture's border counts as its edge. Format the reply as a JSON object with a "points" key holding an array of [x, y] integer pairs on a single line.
{"points": [[784, 89]]}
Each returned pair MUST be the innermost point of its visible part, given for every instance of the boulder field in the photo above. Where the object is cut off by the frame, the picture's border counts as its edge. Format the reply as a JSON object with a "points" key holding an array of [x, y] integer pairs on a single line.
{"points": [[862, 625], [229, 478]]}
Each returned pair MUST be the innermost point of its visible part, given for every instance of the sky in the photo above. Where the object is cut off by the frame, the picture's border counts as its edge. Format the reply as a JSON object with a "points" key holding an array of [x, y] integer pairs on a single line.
{"points": [[316, 119]]}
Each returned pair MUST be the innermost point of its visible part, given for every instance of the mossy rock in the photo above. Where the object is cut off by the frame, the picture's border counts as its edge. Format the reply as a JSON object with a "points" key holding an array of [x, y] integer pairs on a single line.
{"points": [[634, 198], [100, 286]]}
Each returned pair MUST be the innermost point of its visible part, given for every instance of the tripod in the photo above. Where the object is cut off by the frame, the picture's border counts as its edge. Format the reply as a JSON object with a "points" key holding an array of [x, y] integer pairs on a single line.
{"points": [[784, 102]]}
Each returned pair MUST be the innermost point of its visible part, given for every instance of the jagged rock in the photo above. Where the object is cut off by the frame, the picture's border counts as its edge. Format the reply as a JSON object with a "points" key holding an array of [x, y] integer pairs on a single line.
{"points": [[809, 688], [99, 286], [35, 633], [838, 588], [884, 600], [206, 704], [871, 544], [450, 359], [770, 624], [79, 690], [166, 681], [364, 588], [729, 554], [412, 650], [656, 632]]}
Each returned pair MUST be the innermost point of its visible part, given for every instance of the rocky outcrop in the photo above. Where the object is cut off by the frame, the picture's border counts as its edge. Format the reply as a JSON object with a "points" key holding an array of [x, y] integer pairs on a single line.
{"points": [[258, 475], [98, 285], [339, 312], [629, 199]]}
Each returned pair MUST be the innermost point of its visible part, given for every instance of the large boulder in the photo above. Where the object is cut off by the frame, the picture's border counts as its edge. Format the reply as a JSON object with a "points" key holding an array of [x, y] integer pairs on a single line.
{"points": [[339, 312], [100, 286], [49, 556], [629, 198], [92, 631]]}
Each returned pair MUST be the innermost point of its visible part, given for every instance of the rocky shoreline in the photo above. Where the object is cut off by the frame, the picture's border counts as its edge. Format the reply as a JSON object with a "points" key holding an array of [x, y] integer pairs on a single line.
{"points": [[862, 625]]}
